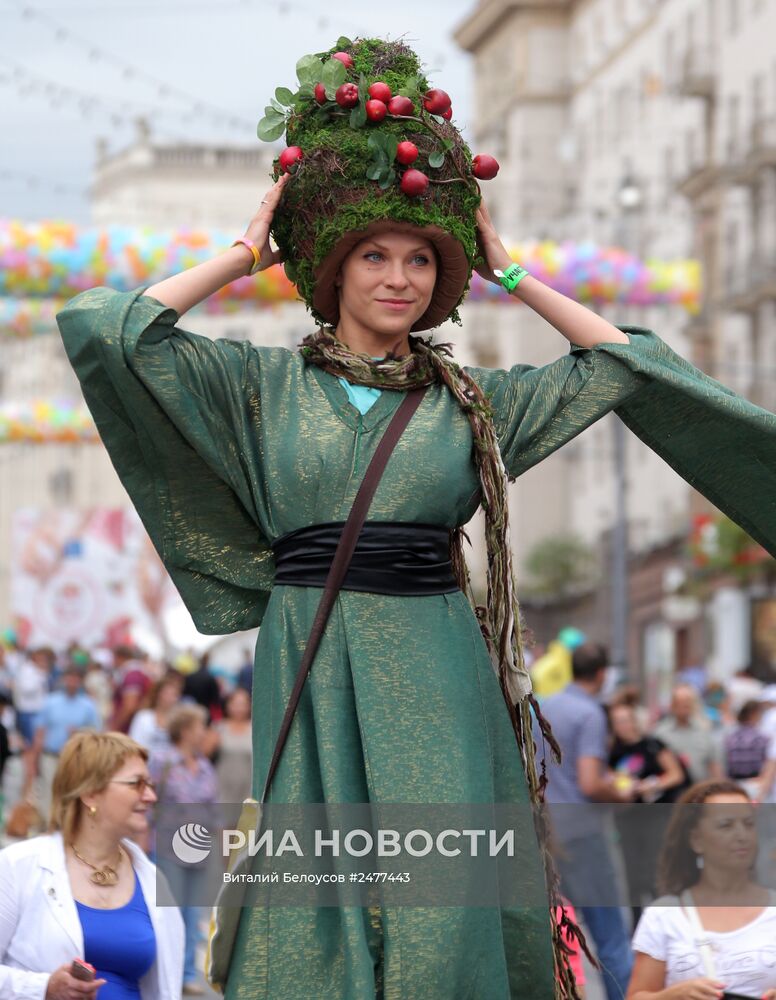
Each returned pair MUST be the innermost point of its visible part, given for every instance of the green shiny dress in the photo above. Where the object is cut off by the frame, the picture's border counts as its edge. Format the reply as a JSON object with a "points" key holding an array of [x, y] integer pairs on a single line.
{"points": [[224, 446]]}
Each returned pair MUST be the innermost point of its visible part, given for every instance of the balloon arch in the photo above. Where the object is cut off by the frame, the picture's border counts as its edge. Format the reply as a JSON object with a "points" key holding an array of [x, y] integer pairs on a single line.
{"points": [[42, 265]]}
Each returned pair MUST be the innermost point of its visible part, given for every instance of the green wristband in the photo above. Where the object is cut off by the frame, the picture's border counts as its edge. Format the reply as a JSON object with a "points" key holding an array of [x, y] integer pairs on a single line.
{"points": [[512, 277]]}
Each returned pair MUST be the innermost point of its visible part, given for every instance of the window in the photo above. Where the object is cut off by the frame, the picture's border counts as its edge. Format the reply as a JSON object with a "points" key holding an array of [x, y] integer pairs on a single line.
{"points": [[758, 97], [691, 28], [690, 150], [732, 126], [669, 166], [734, 16], [599, 38], [668, 56]]}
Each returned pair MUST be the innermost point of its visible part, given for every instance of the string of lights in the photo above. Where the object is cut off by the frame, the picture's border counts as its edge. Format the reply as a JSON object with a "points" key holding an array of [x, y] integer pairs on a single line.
{"points": [[29, 84], [196, 110], [164, 90], [175, 8], [37, 182]]}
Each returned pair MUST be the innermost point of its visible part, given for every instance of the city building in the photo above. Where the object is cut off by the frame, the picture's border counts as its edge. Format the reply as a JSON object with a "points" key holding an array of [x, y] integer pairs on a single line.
{"points": [[649, 125]]}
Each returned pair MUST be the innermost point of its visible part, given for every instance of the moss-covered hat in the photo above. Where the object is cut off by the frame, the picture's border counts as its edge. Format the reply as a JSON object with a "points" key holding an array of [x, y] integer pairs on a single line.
{"points": [[372, 147]]}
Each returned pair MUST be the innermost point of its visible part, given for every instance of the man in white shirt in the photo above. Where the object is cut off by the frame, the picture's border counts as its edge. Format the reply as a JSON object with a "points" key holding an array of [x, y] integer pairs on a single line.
{"points": [[30, 690], [31, 685], [685, 732]]}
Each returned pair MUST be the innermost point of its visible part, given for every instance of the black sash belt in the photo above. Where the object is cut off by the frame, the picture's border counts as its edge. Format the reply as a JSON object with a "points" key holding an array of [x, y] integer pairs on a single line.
{"points": [[391, 557]]}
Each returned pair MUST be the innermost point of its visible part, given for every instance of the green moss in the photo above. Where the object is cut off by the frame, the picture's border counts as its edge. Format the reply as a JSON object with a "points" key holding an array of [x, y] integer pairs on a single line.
{"points": [[330, 194]]}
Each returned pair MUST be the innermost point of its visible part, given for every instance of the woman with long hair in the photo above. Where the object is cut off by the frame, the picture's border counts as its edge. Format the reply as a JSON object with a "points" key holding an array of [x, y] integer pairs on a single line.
{"points": [[713, 932], [657, 778], [149, 725]]}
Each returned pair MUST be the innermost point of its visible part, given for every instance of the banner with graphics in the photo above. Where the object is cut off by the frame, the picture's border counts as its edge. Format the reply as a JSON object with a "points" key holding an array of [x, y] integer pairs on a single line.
{"points": [[91, 576]]}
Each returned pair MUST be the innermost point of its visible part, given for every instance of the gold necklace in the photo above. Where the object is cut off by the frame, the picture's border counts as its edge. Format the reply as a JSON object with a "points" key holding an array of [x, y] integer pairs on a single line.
{"points": [[105, 876]]}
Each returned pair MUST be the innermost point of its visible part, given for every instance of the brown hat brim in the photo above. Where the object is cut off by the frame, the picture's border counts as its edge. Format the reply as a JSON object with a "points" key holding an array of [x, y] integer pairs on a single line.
{"points": [[452, 276]]}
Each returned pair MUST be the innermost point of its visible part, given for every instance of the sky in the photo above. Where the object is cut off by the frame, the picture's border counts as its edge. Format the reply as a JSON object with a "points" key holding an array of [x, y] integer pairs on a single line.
{"points": [[72, 71]]}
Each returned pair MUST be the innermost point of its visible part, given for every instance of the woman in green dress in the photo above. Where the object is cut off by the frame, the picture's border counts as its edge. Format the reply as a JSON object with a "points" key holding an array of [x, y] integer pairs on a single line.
{"points": [[225, 447]]}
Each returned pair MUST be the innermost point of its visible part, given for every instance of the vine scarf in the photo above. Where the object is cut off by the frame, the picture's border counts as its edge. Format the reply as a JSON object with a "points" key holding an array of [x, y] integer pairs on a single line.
{"points": [[500, 620]]}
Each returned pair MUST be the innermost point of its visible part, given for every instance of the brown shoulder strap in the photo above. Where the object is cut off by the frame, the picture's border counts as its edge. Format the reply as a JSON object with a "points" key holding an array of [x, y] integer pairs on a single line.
{"points": [[341, 560]]}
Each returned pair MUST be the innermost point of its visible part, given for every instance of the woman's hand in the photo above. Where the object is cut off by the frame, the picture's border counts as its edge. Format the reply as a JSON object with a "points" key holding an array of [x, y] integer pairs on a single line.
{"points": [[492, 251], [63, 986], [695, 989], [769, 995], [258, 229]]}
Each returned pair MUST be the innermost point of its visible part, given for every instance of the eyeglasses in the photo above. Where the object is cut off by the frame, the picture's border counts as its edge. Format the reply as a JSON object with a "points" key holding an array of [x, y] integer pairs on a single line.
{"points": [[139, 784]]}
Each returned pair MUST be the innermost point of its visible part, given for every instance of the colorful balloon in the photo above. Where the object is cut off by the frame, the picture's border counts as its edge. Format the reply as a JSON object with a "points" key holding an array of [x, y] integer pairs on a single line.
{"points": [[44, 264], [45, 421]]}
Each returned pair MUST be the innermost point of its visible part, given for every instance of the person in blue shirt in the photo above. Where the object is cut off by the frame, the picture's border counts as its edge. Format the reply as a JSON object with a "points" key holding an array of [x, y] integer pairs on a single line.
{"points": [[64, 712], [583, 777]]}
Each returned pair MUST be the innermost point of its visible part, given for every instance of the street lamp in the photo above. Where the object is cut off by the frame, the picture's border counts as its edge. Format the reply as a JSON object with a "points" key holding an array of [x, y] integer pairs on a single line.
{"points": [[629, 195], [629, 202]]}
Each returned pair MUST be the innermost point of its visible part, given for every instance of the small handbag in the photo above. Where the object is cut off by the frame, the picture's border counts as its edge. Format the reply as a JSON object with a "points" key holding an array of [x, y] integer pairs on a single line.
{"points": [[225, 916]]}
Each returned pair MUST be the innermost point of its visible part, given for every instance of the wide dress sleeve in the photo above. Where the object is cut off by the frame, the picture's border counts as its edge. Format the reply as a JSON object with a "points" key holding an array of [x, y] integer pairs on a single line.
{"points": [[178, 414], [723, 445]]}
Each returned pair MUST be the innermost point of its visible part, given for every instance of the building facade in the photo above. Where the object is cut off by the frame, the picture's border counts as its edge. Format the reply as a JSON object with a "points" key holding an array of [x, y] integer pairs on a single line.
{"points": [[587, 100]]}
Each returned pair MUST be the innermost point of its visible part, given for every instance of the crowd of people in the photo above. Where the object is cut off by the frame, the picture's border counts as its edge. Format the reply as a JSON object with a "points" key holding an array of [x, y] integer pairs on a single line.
{"points": [[189, 732], [689, 873], [184, 736]]}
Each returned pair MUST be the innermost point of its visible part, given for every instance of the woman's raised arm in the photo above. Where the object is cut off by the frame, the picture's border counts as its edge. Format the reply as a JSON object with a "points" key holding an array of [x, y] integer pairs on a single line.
{"points": [[578, 324], [194, 285]]}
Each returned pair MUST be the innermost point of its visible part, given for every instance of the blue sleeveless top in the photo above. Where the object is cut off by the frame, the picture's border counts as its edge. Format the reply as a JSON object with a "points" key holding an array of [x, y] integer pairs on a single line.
{"points": [[120, 944]]}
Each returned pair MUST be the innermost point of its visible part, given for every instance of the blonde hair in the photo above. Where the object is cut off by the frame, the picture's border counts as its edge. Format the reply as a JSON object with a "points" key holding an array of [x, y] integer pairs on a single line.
{"points": [[183, 716], [86, 764]]}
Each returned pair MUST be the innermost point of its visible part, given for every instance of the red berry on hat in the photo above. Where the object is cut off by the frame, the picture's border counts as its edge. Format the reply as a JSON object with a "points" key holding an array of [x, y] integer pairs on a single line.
{"points": [[436, 102], [484, 167], [414, 182], [448, 114], [320, 93], [344, 58], [376, 110], [290, 157], [406, 152], [347, 95], [380, 92], [401, 106]]}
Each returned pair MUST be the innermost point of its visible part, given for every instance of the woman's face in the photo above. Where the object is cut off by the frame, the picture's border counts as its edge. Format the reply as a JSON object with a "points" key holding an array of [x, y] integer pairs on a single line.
{"points": [[193, 736], [624, 724], [123, 805], [386, 283], [726, 835], [169, 695], [239, 705]]}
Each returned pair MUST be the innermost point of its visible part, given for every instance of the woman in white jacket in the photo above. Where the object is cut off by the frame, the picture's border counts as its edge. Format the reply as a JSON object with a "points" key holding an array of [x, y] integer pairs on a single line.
{"points": [[85, 890]]}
